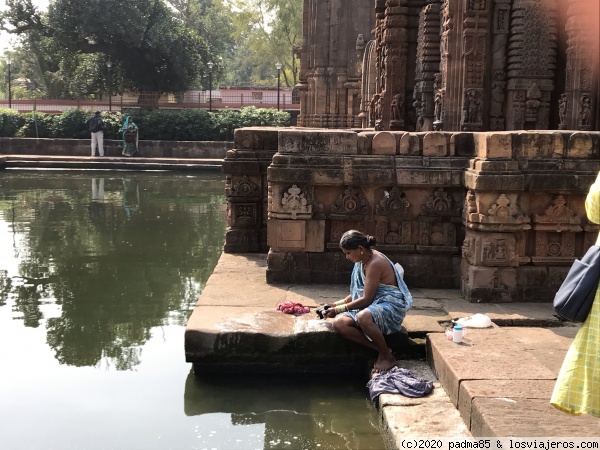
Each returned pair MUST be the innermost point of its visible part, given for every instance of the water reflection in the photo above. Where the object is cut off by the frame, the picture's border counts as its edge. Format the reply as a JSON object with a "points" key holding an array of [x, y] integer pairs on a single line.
{"points": [[115, 269], [98, 274], [294, 412]]}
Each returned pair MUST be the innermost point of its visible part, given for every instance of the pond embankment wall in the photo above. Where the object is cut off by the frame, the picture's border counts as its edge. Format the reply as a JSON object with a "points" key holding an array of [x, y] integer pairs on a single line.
{"points": [[82, 147]]}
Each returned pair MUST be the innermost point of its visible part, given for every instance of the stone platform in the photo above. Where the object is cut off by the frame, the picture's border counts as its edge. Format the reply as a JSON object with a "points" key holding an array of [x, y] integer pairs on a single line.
{"points": [[496, 383]]}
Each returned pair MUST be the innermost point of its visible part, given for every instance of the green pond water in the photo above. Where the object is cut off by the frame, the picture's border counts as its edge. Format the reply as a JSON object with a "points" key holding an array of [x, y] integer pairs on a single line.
{"points": [[99, 272]]}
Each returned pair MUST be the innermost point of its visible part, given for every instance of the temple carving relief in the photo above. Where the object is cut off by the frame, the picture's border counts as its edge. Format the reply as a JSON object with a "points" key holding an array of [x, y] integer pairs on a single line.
{"points": [[449, 65], [463, 134]]}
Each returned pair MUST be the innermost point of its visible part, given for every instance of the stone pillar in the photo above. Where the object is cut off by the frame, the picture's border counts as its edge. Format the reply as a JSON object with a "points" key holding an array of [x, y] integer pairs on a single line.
{"points": [[474, 62], [531, 64], [368, 86], [393, 65], [246, 189], [497, 69], [428, 63], [577, 106], [448, 88]]}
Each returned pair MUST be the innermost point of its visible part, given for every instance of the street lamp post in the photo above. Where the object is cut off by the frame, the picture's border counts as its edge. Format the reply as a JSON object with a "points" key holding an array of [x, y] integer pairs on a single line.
{"points": [[210, 67], [109, 65], [278, 66], [9, 82]]}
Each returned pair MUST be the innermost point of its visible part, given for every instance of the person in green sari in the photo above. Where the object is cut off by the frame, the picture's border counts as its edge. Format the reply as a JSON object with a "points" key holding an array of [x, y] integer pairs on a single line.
{"points": [[130, 137]]}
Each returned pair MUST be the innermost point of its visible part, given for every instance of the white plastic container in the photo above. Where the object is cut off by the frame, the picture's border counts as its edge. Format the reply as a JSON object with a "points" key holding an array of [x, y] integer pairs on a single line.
{"points": [[457, 334]]}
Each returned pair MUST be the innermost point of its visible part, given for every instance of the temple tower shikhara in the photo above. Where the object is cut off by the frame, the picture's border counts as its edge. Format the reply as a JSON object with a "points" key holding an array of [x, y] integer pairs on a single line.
{"points": [[448, 65]]}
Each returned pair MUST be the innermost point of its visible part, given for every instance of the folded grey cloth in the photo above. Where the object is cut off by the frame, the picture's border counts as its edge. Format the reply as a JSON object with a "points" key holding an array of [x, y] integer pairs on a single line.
{"points": [[398, 381]]}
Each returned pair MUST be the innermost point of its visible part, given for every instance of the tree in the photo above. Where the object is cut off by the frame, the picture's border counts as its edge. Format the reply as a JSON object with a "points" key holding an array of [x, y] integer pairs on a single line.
{"points": [[267, 32], [210, 19], [142, 37]]}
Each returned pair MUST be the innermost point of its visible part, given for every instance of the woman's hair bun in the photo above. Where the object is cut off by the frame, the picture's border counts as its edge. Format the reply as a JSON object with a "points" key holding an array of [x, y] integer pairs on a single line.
{"points": [[371, 241]]}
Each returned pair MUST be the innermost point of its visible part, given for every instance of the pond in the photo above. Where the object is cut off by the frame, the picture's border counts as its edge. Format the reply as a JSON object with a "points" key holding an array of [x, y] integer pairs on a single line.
{"points": [[99, 272]]}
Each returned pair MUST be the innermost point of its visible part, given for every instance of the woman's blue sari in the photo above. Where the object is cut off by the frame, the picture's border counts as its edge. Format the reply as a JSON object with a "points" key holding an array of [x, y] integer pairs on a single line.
{"points": [[390, 304], [130, 137]]}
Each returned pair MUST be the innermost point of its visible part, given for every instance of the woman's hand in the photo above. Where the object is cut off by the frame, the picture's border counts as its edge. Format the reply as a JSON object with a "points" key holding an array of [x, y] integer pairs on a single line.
{"points": [[329, 313]]}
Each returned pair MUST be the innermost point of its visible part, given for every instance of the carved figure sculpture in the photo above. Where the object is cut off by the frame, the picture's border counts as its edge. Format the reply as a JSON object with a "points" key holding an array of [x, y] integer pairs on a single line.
{"points": [[563, 104], [374, 109], [472, 107], [438, 101], [585, 113], [498, 89], [396, 115]]}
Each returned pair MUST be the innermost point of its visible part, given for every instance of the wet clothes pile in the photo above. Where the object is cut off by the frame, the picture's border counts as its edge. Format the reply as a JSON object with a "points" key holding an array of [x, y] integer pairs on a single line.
{"points": [[293, 308], [398, 381]]}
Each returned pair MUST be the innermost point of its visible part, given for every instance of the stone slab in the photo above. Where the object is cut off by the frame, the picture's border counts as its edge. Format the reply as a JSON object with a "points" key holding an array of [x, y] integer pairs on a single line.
{"points": [[425, 320], [527, 418], [430, 416], [488, 354], [525, 389]]}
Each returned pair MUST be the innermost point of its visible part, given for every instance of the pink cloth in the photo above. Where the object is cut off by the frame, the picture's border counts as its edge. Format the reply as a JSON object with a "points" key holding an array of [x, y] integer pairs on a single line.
{"points": [[293, 308]]}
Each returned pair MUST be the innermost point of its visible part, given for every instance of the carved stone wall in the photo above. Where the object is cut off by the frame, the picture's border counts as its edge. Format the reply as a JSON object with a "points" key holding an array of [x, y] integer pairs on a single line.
{"points": [[499, 214], [334, 37], [478, 65], [246, 189]]}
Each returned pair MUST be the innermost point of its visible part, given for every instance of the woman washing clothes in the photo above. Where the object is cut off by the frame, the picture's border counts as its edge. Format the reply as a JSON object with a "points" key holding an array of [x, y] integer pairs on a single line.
{"points": [[378, 301], [130, 137]]}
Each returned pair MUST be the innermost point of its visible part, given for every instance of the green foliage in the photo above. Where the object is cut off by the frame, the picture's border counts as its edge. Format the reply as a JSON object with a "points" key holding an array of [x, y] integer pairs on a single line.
{"points": [[71, 124], [66, 48], [10, 122], [266, 32], [161, 125], [36, 125]]}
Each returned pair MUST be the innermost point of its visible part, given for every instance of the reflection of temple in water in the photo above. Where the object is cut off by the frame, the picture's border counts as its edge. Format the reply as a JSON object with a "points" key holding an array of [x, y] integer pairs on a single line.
{"points": [[448, 65]]}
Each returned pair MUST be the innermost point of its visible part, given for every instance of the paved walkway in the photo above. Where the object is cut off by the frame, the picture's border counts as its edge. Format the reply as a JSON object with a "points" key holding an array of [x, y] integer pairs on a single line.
{"points": [[496, 383]]}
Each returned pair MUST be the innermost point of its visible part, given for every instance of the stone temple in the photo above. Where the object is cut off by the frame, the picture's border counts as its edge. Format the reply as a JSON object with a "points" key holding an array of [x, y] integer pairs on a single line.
{"points": [[462, 134]]}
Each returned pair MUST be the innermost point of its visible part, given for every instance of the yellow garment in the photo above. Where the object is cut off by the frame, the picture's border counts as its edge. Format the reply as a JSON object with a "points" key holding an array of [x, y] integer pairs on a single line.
{"points": [[577, 389]]}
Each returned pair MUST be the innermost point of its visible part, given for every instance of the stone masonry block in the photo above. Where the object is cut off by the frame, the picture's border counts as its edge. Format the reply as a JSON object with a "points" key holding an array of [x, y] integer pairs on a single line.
{"points": [[365, 141], [410, 144], [538, 144], [435, 144], [580, 145], [493, 145], [315, 236], [287, 235], [316, 142], [462, 144], [256, 138], [384, 143]]}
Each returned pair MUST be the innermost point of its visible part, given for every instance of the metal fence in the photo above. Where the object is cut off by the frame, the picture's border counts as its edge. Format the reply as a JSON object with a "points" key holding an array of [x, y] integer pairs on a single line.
{"points": [[214, 100]]}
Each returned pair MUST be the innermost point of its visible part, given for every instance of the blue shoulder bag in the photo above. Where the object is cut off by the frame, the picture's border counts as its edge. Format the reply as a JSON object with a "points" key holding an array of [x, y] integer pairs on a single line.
{"points": [[575, 296]]}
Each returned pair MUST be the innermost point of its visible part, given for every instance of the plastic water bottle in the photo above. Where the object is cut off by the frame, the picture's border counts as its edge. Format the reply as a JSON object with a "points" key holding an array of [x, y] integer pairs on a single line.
{"points": [[457, 334]]}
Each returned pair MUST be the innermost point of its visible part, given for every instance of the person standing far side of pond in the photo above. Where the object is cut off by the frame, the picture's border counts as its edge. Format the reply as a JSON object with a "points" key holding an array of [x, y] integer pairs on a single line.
{"points": [[96, 127], [130, 137], [378, 301]]}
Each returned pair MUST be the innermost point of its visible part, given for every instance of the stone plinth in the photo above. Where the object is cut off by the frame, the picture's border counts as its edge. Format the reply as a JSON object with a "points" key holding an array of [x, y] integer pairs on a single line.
{"points": [[499, 214]]}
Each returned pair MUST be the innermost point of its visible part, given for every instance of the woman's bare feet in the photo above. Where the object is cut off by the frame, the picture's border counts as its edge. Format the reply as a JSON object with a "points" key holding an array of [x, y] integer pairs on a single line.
{"points": [[385, 361]]}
